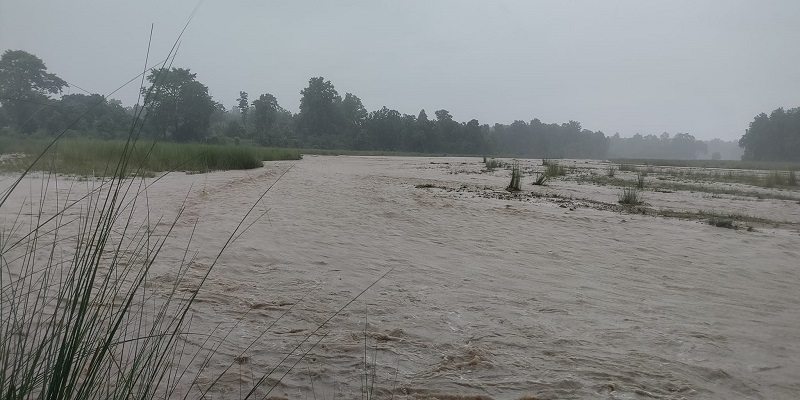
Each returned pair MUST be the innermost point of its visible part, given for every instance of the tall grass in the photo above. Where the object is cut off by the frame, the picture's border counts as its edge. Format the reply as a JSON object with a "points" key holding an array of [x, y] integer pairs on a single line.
{"points": [[630, 196], [640, 179], [98, 157], [553, 168], [516, 175], [491, 164]]}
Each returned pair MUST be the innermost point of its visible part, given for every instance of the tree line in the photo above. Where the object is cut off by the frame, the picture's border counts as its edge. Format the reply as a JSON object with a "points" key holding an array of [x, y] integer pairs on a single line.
{"points": [[178, 107]]}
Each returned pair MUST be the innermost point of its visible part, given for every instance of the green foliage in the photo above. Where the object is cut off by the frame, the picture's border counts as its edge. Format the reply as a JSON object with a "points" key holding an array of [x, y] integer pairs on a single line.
{"points": [[320, 111], [179, 106], [611, 170], [773, 138], [516, 175], [91, 114], [243, 106], [630, 196], [25, 87]]}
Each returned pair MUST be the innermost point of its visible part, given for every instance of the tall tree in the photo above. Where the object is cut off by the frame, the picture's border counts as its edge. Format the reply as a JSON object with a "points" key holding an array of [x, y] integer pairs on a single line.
{"points": [[179, 105], [353, 113], [773, 138], [266, 111], [320, 111], [25, 86], [244, 106]]}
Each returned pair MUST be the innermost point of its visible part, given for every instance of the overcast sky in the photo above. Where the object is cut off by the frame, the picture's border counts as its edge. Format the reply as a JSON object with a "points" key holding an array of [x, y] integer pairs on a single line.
{"points": [[702, 67]]}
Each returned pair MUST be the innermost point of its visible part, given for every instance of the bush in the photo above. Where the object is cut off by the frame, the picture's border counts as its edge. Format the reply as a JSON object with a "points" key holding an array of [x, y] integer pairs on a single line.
{"points": [[630, 196]]}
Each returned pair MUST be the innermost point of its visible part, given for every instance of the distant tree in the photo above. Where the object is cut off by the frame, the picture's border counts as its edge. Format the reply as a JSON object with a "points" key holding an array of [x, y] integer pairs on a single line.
{"points": [[266, 112], [773, 138], [91, 114], [320, 111], [25, 86], [244, 106], [384, 129], [178, 105], [354, 113], [425, 130]]}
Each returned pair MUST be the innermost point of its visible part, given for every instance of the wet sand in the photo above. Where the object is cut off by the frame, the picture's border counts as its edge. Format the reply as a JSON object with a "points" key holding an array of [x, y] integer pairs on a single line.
{"points": [[486, 295]]}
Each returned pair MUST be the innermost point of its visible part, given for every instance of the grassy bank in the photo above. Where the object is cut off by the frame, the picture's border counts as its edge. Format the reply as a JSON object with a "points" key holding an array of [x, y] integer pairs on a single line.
{"points": [[99, 157], [726, 164]]}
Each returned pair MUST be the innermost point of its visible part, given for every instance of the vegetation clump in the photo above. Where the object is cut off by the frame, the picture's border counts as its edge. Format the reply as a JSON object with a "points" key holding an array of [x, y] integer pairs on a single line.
{"points": [[491, 164], [722, 223], [516, 175], [94, 157], [630, 196], [541, 178], [640, 179], [553, 168]]}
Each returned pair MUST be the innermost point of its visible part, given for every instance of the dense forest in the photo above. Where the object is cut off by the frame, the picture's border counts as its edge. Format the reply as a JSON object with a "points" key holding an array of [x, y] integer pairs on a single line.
{"points": [[178, 107]]}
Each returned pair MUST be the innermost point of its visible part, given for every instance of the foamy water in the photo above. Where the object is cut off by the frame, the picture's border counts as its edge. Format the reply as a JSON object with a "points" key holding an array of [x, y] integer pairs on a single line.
{"points": [[485, 296]]}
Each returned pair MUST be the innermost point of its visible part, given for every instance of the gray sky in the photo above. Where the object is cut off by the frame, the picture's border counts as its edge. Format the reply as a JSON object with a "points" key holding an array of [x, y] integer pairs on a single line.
{"points": [[703, 67]]}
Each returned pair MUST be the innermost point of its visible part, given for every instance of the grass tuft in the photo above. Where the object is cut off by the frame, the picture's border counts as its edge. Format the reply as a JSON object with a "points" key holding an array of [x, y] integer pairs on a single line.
{"points": [[492, 163], [722, 223], [516, 175], [553, 168], [541, 179], [630, 196], [640, 180]]}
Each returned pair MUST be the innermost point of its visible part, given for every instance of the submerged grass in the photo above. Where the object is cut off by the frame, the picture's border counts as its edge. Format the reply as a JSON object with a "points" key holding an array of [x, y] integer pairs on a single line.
{"points": [[93, 157], [726, 164], [516, 175], [690, 187], [630, 197]]}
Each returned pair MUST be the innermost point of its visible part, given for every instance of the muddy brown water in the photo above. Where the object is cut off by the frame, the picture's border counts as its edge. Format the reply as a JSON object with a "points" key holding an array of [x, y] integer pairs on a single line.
{"points": [[486, 296]]}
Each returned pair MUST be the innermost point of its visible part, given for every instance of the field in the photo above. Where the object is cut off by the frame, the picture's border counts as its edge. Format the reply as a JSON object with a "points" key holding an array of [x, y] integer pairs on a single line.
{"points": [[555, 291]]}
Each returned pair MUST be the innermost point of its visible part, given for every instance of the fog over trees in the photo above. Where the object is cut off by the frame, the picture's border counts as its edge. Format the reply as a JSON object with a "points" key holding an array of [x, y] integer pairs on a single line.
{"points": [[179, 107]]}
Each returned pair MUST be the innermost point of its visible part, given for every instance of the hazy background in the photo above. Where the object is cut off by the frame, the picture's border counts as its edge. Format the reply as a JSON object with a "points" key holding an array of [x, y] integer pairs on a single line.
{"points": [[702, 67]]}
